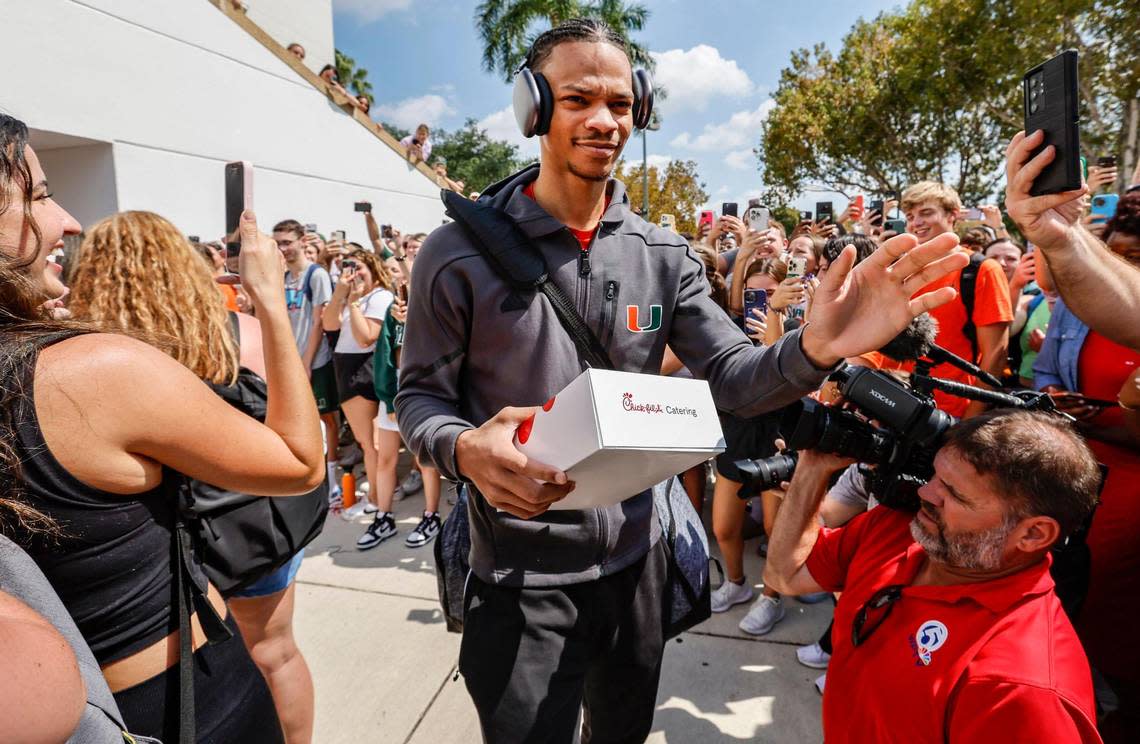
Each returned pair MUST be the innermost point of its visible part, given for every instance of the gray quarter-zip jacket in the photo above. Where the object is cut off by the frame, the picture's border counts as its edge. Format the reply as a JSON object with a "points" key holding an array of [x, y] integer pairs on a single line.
{"points": [[474, 346]]}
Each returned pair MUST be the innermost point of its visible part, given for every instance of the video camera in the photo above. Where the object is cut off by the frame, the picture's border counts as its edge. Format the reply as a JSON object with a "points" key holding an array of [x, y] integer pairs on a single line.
{"points": [[893, 428]]}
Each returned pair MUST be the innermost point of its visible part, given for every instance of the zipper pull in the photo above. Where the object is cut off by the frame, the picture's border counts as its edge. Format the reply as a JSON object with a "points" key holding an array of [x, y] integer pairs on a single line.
{"points": [[584, 263], [611, 289]]}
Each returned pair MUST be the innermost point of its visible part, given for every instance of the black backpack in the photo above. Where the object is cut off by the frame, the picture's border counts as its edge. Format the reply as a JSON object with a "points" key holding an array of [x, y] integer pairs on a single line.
{"points": [[967, 283], [240, 538]]}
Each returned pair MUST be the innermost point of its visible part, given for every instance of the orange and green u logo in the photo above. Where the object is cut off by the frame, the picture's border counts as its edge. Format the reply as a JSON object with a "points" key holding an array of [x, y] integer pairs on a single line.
{"points": [[633, 319]]}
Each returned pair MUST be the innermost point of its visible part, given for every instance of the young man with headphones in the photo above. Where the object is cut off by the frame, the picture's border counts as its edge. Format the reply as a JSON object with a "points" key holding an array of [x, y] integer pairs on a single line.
{"points": [[564, 609]]}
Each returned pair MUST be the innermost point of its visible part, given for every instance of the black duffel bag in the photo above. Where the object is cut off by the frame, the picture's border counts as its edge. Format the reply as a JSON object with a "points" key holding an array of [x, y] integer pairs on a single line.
{"points": [[241, 538]]}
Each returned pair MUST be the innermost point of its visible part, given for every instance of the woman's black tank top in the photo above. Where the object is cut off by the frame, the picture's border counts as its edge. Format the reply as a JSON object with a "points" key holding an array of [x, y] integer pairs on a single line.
{"points": [[111, 564]]}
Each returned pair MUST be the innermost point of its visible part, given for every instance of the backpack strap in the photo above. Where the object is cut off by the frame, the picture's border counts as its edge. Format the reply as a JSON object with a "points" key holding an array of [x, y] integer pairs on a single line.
{"points": [[967, 284], [515, 259], [306, 289], [235, 328]]}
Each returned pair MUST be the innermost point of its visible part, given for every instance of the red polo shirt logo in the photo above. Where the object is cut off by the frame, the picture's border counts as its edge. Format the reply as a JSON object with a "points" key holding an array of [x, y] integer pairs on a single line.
{"points": [[929, 638]]}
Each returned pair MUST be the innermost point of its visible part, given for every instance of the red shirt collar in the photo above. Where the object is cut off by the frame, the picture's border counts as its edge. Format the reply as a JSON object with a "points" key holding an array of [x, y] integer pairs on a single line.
{"points": [[996, 595], [584, 236]]}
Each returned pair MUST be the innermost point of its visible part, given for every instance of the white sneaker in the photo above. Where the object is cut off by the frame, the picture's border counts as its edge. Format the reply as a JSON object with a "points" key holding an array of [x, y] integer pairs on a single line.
{"points": [[813, 656], [356, 510], [730, 593], [820, 681], [765, 613]]}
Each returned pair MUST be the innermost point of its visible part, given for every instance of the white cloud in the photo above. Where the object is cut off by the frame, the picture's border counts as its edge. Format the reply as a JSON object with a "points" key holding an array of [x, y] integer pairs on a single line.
{"points": [[694, 77], [741, 130], [369, 11], [741, 159], [501, 125], [657, 161], [410, 112]]}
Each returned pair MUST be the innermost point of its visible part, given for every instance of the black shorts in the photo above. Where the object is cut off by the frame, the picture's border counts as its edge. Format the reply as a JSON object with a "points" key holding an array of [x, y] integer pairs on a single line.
{"points": [[354, 376], [323, 382], [746, 439], [231, 699]]}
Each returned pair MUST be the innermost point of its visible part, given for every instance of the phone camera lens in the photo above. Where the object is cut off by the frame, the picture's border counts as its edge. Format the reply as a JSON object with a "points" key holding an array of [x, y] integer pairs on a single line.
{"points": [[1033, 108]]}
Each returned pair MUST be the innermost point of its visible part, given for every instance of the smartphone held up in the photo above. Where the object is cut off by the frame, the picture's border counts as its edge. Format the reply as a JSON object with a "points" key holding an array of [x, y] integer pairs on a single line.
{"points": [[1051, 105], [239, 197]]}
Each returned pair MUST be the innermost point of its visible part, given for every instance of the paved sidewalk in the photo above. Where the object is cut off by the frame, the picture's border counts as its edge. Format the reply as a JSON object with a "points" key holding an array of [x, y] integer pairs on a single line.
{"points": [[370, 627]]}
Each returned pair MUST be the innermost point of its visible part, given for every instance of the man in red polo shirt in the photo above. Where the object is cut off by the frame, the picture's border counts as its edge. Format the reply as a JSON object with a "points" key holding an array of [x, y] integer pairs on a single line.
{"points": [[948, 629]]}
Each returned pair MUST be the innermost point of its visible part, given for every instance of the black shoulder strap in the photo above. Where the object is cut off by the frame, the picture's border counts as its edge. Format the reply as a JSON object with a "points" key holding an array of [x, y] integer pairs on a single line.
{"points": [[511, 254], [235, 328], [968, 282]]}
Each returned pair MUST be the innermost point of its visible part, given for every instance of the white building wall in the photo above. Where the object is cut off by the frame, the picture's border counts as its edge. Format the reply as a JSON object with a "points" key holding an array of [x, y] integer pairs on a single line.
{"points": [[82, 179], [307, 22], [178, 89]]}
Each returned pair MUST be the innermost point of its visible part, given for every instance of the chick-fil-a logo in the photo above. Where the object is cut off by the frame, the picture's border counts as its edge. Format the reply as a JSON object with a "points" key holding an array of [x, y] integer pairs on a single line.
{"points": [[628, 404]]}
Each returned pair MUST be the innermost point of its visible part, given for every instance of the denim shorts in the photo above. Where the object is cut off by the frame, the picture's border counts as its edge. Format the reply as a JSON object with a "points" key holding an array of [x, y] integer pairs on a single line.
{"points": [[274, 582]]}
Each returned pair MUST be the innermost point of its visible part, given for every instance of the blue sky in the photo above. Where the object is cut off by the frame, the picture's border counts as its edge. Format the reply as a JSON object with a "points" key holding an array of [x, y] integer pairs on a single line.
{"points": [[720, 60]]}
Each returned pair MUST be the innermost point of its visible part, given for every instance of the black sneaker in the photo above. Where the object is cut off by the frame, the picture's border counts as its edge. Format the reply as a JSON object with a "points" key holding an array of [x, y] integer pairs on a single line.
{"points": [[424, 532], [380, 530]]}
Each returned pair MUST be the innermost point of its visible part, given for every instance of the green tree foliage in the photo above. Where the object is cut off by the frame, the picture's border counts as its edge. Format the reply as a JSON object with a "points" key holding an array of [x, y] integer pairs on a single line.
{"points": [[475, 158], [398, 132], [934, 91], [352, 77], [677, 190], [507, 27]]}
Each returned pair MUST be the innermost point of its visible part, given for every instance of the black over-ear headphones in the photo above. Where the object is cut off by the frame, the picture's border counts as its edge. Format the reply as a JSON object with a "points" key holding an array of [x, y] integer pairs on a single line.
{"points": [[534, 101]]}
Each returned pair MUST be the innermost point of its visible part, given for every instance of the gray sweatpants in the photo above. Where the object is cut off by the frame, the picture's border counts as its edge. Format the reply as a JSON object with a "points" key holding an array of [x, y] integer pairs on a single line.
{"points": [[532, 658]]}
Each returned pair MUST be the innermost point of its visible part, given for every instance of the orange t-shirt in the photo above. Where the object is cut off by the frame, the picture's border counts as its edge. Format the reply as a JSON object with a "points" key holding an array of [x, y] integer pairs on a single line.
{"points": [[229, 295], [991, 305], [880, 361]]}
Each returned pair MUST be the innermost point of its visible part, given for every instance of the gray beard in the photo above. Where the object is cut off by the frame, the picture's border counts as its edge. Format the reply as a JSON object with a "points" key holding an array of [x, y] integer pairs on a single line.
{"points": [[975, 551]]}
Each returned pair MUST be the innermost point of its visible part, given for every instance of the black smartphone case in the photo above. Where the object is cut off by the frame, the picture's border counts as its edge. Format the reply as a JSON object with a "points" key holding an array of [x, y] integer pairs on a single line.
{"points": [[1058, 117]]}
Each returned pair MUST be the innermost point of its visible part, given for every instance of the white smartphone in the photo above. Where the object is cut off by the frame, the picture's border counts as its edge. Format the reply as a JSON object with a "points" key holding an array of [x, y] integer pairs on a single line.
{"points": [[758, 218], [797, 266]]}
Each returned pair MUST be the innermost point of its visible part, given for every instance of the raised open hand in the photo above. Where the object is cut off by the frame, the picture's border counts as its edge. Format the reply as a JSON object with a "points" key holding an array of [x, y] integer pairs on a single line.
{"points": [[856, 310]]}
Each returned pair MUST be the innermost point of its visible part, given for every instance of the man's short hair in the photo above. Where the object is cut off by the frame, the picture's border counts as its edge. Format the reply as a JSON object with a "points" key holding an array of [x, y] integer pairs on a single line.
{"points": [[292, 226], [931, 191], [998, 241], [976, 238], [864, 247], [572, 29], [1037, 461]]}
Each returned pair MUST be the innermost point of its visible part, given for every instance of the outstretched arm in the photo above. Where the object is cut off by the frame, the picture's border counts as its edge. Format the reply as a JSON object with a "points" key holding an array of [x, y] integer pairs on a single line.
{"points": [[1097, 285]]}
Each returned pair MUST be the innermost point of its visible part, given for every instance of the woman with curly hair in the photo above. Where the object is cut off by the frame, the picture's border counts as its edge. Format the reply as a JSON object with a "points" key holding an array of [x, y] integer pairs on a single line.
{"points": [[136, 273], [91, 426]]}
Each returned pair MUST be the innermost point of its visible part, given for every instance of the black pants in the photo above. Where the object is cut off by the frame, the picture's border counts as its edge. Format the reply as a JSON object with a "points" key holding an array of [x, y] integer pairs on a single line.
{"points": [[231, 699], [532, 658]]}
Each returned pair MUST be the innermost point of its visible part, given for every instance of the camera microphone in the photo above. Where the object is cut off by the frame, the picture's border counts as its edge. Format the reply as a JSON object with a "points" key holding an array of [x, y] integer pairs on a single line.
{"points": [[914, 342]]}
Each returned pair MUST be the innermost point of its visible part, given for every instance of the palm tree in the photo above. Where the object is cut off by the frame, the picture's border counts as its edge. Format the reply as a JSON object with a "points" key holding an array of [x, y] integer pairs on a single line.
{"points": [[505, 25], [353, 77]]}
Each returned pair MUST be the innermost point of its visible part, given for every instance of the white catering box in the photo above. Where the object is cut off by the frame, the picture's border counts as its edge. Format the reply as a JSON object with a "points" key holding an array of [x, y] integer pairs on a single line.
{"points": [[616, 434]]}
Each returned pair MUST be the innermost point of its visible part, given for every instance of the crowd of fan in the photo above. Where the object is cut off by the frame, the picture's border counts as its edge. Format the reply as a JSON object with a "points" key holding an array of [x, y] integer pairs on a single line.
{"points": [[346, 304]]}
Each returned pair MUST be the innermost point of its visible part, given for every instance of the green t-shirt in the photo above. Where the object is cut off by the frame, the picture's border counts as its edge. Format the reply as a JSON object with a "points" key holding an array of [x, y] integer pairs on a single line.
{"points": [[1038, 319], [384, 368]]}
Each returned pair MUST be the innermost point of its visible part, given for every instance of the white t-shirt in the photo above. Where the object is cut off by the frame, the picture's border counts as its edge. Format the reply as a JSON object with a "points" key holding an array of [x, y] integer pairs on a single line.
{"points": [[373, 305]]}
